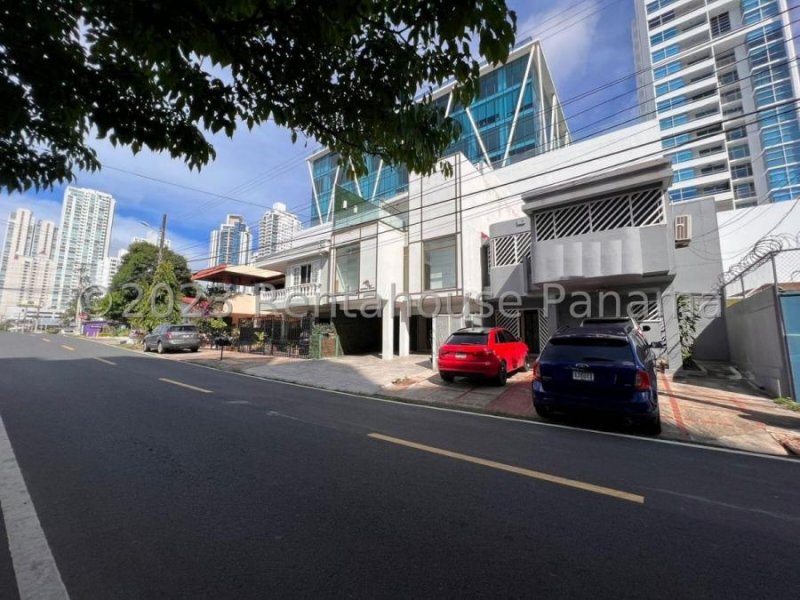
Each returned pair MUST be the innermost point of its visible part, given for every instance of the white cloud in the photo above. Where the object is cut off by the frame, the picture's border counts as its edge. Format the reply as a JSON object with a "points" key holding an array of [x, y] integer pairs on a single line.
{"points": [[42, 208], [568, 37]]}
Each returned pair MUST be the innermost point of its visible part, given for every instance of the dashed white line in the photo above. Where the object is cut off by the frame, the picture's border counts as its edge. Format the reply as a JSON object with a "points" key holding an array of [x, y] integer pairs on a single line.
{"points": [[103, 360], [70, 348], [34, 566], [185, 385]]}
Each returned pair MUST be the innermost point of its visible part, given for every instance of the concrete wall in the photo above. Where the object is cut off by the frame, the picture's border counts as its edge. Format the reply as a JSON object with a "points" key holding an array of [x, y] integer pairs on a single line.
{"points": [[756, 344], [625, 251], [739, 230], [697, 269]]}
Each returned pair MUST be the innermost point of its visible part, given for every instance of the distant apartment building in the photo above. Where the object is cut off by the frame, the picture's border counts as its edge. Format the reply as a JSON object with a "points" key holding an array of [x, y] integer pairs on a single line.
{"points": [[26, 263], [231, 243], [276, 229], [84, 240], [109, 267], [721, 77]]}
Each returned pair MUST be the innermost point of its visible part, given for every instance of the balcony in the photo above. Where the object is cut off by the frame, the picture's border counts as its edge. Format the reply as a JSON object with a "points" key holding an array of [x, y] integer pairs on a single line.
{"points": [[304, 294]]}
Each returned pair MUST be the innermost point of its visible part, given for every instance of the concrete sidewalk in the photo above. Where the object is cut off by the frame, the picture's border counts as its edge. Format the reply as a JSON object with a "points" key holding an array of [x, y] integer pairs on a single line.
{"points": [[714, 409]]}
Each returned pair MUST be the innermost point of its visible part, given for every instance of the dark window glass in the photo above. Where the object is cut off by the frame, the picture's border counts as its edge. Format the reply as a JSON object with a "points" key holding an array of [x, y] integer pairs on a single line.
{"points": [[587, 350], [470, 339], [184, 328]]}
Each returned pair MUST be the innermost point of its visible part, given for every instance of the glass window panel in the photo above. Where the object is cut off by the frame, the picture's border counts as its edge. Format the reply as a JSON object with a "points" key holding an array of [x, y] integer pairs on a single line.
{"points": [[440, 263]]}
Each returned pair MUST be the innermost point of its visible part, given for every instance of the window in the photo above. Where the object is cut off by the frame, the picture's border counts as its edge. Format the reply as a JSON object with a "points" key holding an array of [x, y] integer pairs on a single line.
{"points": [[683, 194], [669, 86], [681, 156], [667, 70], [738, 152], [670, 122], [348, 263], [675, 140], [725, 59], [304, 274], [660, 55], [661, 19], [658, 5], [736, 134], [720, 24], [468, 338], [710, 150], [675, 102], [728, 77], [743, 170], [440, 263], [573, 349], [711, 169], [758, 10], [682, 175], [744, 190], [665, 35]]}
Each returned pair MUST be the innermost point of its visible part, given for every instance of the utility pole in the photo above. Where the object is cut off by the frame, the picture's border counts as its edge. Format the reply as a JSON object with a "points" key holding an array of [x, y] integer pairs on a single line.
{"points": [[81, 279], [162, 234]]}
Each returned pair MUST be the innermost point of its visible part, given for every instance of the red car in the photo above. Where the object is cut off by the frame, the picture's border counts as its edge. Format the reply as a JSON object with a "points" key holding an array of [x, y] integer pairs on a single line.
{"points": [[490, 352]]}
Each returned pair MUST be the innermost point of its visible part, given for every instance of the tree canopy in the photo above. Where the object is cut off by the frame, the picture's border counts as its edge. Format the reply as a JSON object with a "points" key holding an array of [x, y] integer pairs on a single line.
{"points": [[162, 74], [136, 272], [160, 301], [139, 265]]}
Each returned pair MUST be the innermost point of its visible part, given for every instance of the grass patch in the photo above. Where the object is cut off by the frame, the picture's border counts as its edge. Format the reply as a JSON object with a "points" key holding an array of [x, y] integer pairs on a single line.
{"points": [[787, 403]]}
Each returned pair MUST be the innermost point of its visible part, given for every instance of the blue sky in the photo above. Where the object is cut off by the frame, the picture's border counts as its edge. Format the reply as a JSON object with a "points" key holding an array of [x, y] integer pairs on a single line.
{"points": [[587, 43]]}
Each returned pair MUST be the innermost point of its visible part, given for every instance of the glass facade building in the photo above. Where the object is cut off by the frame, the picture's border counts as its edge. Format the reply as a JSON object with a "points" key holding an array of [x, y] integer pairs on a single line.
{"points": [[720, 77], [516, 115]]}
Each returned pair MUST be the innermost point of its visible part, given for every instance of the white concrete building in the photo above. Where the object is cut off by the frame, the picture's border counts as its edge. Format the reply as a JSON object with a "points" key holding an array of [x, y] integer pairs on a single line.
{"points": [[26, 263], [721, 77], [230, 244], [108, 269], [87, 217], [276, 228], [411, 248]]}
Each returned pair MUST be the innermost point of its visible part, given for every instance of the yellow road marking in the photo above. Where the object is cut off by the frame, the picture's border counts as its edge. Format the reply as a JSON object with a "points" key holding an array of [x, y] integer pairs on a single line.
{"points": [[588, 487], [70, 348], [103, 360], [186, 385], [46, 340]]}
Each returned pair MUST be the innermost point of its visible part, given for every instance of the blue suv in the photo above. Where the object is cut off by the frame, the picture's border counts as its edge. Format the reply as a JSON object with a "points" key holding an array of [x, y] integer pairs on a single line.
{"points": [[600, 368]]}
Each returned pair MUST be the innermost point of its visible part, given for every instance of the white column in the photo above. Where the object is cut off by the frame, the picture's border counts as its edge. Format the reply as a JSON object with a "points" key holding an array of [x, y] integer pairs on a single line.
{"points": [[387, 325], [404, 347]]}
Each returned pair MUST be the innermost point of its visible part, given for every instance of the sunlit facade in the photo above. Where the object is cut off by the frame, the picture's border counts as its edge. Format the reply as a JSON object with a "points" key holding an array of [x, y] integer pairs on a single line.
{"points": [[517, 115], [721, 78]]}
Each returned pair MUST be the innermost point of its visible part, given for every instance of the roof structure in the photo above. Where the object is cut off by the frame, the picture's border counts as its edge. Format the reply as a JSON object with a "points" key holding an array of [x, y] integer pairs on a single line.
{"points": [[237, 275]]}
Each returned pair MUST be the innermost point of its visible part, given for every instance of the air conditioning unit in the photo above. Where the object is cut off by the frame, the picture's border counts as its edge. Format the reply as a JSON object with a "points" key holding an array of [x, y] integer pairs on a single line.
{"points": [[683, 230]]}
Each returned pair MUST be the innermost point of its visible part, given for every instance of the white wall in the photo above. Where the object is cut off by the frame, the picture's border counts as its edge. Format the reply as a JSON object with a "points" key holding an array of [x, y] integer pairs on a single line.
{"points": [[740, 230]]}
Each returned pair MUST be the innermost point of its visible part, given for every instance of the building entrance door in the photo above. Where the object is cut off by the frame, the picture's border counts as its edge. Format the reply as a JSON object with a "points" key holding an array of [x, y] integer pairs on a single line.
{"points": [[530, 330]]}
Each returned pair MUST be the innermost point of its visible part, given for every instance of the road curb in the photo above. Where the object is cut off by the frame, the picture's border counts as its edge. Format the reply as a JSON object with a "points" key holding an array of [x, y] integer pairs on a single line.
{"points": [[470, 410]]}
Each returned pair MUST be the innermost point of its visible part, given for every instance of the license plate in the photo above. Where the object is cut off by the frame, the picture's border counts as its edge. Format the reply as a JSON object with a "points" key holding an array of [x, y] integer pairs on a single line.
{"points": [[582, 376], [461, 355]]}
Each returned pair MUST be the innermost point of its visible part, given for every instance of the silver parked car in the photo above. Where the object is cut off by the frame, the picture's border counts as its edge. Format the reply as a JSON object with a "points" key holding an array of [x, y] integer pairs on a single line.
{"points": [[172, 337]]}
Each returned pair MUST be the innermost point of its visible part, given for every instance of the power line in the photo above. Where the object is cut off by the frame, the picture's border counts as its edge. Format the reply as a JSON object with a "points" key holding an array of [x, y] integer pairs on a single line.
{"points": [[570, 164], [595, 133]]}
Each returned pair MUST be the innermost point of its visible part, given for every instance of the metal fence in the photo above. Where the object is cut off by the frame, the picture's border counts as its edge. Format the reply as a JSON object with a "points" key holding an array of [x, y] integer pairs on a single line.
{"points": [[277, 337], [781, 268], [762, 306]]}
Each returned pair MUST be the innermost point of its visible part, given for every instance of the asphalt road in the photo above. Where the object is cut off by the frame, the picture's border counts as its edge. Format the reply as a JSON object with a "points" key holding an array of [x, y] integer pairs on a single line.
{"points": [[241, 488]]}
